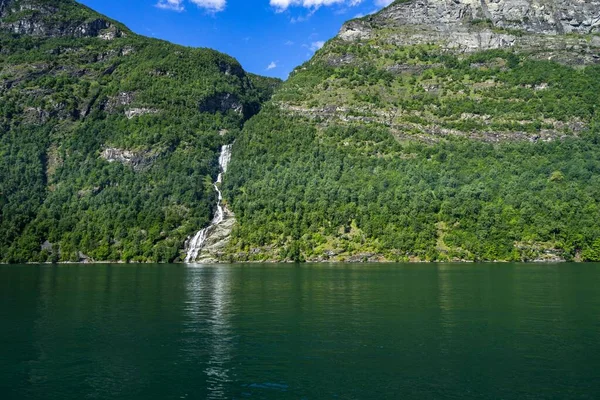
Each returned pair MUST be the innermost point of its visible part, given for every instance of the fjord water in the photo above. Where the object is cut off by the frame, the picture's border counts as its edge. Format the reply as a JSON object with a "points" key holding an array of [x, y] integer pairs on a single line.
{"points": [[511, 331]]}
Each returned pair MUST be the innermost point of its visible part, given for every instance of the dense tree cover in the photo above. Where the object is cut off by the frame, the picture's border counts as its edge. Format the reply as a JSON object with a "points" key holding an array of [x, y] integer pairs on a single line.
{"points": [[368, 149], [65, 100], [294, 187], [404, 152]]}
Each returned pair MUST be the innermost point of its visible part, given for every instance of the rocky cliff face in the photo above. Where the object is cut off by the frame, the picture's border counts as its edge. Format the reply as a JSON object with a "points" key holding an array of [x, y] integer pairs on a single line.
{"points": [[215, 248], [474, 25], [534, 16], [138, 160], [54, 19], [424, 99], [426, 69], [222, 102]]}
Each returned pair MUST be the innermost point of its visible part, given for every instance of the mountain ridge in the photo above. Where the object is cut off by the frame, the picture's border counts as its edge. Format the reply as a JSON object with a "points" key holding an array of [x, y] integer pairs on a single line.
{"points": [[476, 25], [108, 138], [534, 16], [45, 18], [430, 131], [443, 34]]}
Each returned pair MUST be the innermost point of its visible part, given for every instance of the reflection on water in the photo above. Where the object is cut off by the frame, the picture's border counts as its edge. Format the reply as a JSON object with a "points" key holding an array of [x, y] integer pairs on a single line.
{"points": [[508, 331], [445, 296], [207, 323]]}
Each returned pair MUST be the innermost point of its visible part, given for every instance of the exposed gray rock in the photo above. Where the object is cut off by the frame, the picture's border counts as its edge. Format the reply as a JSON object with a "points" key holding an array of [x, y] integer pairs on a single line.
{"points": [[218, 239], [222, 102], [120, 100], [355, 30], [125, 98], [535, 16], [136, 112], [127, 50], [110, 33], [28, 17], [365, 257], [35, 115], [474, 25], [47, 246], [339, 60], [434, 126], [84, 258], [3, 6], [410, 69], [139, 160], [232, 69]]}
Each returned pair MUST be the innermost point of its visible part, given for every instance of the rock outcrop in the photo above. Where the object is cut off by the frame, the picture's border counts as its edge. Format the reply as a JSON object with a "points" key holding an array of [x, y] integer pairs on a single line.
{"points": [[474, 25], [222, 102], [393, 69], [52, 19], [533, 16], [138, 160], [217, 240], [137, 112]]}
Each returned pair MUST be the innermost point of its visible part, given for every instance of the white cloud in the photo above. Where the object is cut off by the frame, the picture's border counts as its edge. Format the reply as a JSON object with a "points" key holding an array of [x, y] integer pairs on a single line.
{"points": [[314, 46], [282, 5], [383, 3], [177, 5], [211, 5], [271, 66]]}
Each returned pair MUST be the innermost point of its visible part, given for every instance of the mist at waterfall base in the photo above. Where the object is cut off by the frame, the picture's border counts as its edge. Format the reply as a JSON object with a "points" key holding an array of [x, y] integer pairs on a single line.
{"points": [[397, 331], [197, 242]]}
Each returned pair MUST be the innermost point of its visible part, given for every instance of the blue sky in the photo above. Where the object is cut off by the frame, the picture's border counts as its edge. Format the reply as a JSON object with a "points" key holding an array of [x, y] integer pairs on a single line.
{"points": [[268, 37]]}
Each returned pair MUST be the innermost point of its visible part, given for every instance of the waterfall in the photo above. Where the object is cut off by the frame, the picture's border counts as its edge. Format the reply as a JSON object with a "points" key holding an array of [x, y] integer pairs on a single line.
{"points": [[197, 242]]}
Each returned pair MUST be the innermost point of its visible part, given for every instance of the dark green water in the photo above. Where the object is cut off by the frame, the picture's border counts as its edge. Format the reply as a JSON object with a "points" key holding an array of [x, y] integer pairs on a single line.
{"points": [[300, 332]]}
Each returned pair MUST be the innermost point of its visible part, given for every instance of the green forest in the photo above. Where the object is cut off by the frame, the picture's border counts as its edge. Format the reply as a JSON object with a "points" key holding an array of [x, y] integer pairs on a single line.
{"points": [[65, 100], [489, 156], [370, 151], [303, 192]]}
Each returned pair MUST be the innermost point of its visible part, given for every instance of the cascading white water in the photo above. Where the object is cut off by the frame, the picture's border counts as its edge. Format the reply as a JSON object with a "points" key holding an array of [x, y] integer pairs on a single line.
{"points": [[197, 242]]}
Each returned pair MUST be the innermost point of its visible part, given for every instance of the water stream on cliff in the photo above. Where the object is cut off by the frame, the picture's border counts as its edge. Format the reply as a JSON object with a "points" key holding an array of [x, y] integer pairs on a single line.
{"points": [[197, 242]]}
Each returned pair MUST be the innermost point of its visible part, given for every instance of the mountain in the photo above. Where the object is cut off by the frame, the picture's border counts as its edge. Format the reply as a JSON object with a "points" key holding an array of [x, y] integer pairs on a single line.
{"points": [[109, 141], [432, 130], [56, 18]]}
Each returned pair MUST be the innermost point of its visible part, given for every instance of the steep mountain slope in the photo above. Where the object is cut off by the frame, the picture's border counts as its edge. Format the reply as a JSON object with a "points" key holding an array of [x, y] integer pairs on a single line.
{"points": [[433, 130], [52, 18], [109, 141]]}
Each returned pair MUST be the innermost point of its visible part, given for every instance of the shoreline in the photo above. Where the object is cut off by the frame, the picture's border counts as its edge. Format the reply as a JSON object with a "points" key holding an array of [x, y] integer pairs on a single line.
{"points": [[300, 263]]}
